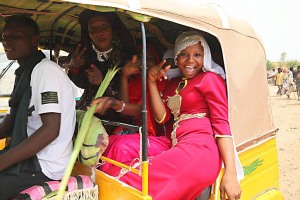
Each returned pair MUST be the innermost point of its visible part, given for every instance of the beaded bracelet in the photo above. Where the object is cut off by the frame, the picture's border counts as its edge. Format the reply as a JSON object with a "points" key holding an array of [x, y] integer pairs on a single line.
{"points": [[123, 106]]}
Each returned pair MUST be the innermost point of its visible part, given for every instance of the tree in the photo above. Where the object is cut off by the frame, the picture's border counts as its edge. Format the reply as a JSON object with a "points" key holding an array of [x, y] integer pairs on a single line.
{"points": [[270, 65], [282, 59], [293, 63]]}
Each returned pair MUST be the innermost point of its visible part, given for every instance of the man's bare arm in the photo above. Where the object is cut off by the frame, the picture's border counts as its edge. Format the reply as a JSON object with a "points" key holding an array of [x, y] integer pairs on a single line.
{"points": [[4, 127], [33, 144]]}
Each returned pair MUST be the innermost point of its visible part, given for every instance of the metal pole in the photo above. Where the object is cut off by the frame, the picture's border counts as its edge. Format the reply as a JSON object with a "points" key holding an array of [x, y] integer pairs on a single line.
{"points": [[144, 119], [144, 109]]}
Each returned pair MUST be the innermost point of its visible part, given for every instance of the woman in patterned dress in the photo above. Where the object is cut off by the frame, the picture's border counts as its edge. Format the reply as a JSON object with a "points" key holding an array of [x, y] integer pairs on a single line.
{"points": [[105, 43]]}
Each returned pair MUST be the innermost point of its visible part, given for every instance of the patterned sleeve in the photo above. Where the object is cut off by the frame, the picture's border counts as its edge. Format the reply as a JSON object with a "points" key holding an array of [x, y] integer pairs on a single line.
{"points": [[213, 88]]}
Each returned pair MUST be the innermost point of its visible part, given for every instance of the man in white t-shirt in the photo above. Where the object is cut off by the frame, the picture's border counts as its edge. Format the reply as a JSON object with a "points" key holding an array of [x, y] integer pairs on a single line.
{"points": [[41, 121]]}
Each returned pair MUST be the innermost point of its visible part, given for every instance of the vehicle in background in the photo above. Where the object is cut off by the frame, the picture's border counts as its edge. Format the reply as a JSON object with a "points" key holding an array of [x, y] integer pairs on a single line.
{"points": [[7, 78]]}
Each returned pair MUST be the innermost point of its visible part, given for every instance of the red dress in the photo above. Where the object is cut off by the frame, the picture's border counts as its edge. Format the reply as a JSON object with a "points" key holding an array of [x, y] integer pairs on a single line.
{"points": [[194, 162], [125, 148], [135, 97]]}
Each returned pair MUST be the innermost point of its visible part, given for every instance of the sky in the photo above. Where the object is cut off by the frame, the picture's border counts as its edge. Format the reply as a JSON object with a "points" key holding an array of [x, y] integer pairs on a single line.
{"points": [[275, 21]]}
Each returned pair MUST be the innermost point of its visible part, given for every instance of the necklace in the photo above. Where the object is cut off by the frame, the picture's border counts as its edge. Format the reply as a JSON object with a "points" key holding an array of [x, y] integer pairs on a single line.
{"points": [[101, 55], [181, 85]]}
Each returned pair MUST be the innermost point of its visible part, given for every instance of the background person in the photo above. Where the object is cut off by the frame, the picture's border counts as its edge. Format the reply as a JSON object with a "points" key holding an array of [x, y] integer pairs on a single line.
{"points": [[289, 82], [297, 82], [296, 72], [271, 76], [279, 77]]}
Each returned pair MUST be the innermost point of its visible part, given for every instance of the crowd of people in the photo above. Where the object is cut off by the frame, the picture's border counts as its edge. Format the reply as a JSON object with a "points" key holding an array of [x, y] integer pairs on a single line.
{"points": [[188, 127], [287, 81]]}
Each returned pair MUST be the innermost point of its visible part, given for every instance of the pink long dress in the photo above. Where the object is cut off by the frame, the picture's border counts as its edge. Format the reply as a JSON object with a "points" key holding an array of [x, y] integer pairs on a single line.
{"points": [[193, 164], [125, 148]]}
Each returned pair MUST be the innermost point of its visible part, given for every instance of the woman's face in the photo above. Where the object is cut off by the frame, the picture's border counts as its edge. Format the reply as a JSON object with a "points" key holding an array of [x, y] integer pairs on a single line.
{"points": [[150, 58], [100, 32], [190, 60]]}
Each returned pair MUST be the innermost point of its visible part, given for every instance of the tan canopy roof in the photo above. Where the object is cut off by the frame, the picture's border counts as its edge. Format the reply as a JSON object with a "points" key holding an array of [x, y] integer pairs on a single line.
{"points": [[243, 52]]}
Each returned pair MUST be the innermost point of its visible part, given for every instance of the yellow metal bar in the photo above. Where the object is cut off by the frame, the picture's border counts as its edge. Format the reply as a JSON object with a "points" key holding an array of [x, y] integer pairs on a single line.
{"points": [[120, 165], [145, 178], [216, 187], [2, 144], [3, 111]]}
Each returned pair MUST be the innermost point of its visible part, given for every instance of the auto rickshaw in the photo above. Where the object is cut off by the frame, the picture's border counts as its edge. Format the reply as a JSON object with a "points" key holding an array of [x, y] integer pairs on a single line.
{"points": [[234, 45]]}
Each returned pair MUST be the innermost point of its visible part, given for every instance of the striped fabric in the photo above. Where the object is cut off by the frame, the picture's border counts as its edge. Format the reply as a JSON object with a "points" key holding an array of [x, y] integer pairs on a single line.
{"points": [[95, 142], [37, 192]]}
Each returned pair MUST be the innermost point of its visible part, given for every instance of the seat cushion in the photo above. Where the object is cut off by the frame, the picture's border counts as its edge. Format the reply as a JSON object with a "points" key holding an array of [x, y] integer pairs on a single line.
{"points": [[77, 186]]}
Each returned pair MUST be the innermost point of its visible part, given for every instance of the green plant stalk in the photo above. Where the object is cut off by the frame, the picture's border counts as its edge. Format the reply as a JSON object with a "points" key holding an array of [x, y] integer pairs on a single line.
{"points": [[83, 130]]}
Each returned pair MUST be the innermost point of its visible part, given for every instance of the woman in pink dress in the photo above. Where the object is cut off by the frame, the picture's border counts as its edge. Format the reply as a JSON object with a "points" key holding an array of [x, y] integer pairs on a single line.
{"points": [[201, 137]]}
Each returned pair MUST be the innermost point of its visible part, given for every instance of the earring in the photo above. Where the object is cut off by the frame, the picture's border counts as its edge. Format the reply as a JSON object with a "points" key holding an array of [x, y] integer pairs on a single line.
{"points": [[116, 40]]}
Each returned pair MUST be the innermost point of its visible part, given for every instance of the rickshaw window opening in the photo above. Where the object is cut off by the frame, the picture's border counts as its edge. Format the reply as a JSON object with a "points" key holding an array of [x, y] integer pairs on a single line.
{"points": [[152, 28]]}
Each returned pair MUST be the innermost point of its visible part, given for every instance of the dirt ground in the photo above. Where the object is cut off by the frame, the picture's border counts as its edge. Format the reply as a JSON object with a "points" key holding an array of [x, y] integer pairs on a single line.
{"points": [[286, 113]]}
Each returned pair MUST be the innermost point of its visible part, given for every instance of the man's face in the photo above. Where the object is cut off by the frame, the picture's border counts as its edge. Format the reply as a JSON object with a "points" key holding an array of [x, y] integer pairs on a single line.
{"points": [[19, 41]]}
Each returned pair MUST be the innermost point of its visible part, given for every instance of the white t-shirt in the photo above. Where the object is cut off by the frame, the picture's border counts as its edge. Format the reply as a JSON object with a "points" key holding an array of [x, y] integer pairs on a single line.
{"points": [[52, 91]]}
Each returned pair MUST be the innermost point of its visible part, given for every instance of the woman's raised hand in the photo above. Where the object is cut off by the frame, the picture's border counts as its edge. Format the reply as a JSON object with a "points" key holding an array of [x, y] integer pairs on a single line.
{"points": [[131, 67], [94, 75], [157, 72], [77, 59]]}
